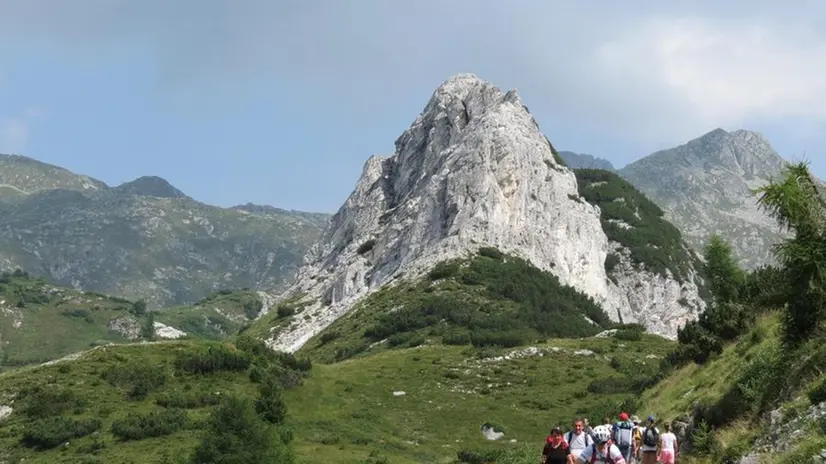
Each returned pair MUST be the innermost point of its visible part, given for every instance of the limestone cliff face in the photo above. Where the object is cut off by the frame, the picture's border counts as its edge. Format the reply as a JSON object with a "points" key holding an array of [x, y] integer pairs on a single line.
{"points": [[473, 170]]}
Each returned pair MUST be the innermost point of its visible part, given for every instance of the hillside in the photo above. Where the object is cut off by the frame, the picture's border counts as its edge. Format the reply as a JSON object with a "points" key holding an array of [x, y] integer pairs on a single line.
{"points": [[144, 239], [705, 187], [475, 171], [40, 321], [150, 403], [339, 412]]}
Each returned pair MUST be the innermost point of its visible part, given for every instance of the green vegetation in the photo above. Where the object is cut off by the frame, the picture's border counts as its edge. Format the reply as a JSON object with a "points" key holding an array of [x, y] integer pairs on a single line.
{"points": [[761, 345], [217, 316], [489, 300], [346, 412], [164, 402], [632, 220], [40, 322]]}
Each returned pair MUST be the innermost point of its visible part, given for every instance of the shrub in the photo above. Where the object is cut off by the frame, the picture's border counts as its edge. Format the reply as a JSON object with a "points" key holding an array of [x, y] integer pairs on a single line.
{"points": [[137, 426], [215, 358], [138, 379], [53, 431]]}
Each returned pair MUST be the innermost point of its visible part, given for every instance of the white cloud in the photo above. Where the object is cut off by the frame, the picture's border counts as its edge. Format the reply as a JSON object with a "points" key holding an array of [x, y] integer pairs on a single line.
{"points": [[719, 72]]}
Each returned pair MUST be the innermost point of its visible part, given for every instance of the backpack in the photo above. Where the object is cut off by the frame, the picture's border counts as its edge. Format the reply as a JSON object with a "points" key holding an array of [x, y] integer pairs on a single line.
{"points": [[624, 432], [651, 437], [608, 457], [588, 439]]}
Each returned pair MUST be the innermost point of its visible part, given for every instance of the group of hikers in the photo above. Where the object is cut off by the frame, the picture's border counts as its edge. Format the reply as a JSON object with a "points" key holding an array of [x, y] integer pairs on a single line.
{"points": [[624, 442]]}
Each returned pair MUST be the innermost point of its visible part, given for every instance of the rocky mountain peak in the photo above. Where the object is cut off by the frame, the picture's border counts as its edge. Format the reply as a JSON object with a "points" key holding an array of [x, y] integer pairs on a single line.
{"points": [[705, 186], [472, 170], [744, 153], [150, 186]]}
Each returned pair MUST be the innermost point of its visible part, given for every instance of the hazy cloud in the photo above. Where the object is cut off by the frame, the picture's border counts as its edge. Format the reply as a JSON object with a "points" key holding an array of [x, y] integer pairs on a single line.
{"points": [[14, 133], [651, 72]]}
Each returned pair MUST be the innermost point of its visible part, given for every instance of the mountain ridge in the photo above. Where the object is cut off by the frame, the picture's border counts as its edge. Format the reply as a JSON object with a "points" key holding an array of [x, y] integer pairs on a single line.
{"points": [[143, 239]]}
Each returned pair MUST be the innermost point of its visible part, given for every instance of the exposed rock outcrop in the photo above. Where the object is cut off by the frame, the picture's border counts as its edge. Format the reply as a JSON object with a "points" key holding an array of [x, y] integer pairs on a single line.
{"points": [[473, 170]]}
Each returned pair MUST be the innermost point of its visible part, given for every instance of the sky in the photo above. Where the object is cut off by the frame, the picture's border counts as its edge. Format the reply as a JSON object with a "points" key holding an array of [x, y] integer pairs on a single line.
{"points": [[281, 102]]}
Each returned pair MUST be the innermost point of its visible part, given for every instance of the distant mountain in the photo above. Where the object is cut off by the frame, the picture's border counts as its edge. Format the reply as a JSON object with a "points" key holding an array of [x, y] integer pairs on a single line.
{"points": [[705, 186], [144, 239], [585, 161]]}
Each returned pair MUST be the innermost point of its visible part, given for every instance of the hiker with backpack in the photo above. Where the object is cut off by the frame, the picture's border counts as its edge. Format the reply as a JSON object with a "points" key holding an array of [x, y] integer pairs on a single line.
{"points": [[623, 435], [577, 439], [601, 452], [637, 438], [556, 450], [650, 448]]}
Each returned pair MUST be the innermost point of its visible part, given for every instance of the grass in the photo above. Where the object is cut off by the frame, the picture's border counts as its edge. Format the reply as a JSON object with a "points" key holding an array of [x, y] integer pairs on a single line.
{"points": [[347, 412], [674, 396], [97, 386], [40, 321], [216, 317], [489, 300], [344, 412]]}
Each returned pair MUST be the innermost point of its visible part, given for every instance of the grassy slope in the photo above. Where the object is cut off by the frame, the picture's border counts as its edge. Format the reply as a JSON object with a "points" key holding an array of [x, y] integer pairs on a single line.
{"points": [[217, 316], [347, 410], [55, 321], [83, 378], [674, 397], [40, 321], [490, 299]]}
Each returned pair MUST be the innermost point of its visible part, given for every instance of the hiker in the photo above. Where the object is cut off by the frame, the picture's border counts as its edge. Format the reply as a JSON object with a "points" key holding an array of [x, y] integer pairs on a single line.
{"points": [[601, 452], [556, 450], [635, 419], [623, 435], [587, 428], [577, 439], [650, 442], [668, 446]]}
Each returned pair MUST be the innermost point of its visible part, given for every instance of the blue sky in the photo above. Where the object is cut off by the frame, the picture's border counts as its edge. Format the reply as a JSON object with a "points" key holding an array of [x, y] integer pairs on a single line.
{"points": [[282, 101]]}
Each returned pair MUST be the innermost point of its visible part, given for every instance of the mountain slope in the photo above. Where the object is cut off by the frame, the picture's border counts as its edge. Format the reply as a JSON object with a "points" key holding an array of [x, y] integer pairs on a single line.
{"points": [[144, 239], [472, 171], [585, 161], [705, 188], [40, 321]]}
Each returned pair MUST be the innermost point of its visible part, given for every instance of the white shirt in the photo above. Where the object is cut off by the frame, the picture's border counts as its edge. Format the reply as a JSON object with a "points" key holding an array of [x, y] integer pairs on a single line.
{"points": [[668, 439], [613, 451], [578, 442]]}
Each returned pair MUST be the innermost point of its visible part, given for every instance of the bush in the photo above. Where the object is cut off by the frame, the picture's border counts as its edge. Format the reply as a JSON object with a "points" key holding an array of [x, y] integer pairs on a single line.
{"points": [[628, 335], [42, 401], [215, 358], [138, 379], [187, 400], [817, 394], [137, 426], [54, 431]]}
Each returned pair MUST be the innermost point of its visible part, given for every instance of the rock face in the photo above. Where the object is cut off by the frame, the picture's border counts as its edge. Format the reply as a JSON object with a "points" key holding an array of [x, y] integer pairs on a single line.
{"points": [[473, 170], [144, 239], [585, 161], [705, 188]]}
